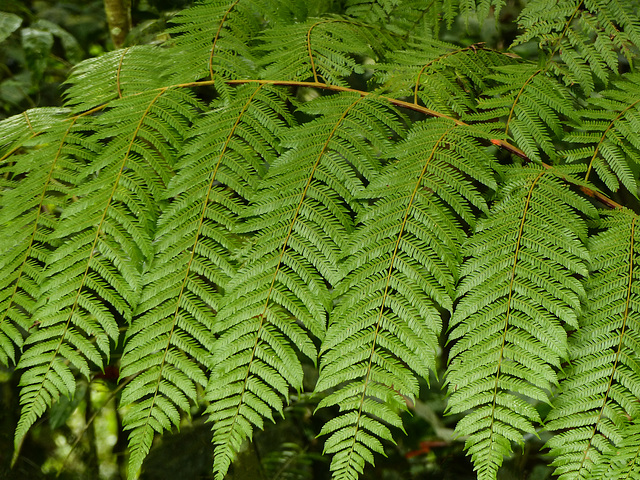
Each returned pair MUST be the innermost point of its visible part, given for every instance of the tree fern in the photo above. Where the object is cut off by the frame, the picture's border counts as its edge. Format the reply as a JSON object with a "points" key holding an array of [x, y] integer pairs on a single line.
{"points": [[286, 184]]}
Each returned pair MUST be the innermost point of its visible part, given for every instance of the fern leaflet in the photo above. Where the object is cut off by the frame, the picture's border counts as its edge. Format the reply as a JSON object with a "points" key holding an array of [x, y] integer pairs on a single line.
{"points": [[33, 186], [600, 390], [430, 71], [534, 104], [624, 461], [170, 342], [94, 275], [400, 269], [517, 291], [116, 74], [321, 50], [608, 135], [587, 35], [300, 221]]}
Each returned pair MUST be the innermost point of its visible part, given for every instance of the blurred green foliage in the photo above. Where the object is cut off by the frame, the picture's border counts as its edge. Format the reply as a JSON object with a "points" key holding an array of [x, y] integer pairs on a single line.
{"points": [[41, 40]]}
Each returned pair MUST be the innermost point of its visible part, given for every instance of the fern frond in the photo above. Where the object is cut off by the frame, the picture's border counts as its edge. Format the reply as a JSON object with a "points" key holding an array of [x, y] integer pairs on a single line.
{"points": [[534, 104], [371, 10], [518, 290], [261, 192], [444, 77], [322, 50], [624, 461], [401, 266], [406, 17], [168, 346], [280, 296], [93, 277], [19, 129], [212, 39], [587, 35], [116, 74], [600, 389], [609, 135], [39, 146]]}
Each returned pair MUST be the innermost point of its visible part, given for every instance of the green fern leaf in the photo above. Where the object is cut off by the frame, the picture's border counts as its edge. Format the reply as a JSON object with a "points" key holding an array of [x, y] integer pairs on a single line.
{"points": [[169, 344], [599, 392], [94, 275], [587, 34], [211, 39], [116, 74], [174, 205], [18, 130], [37, 149], [371, 10], [280, 296], [517, 291], [622, 462], [402, 17], [535, 106], [406, 17], [290, 462], [402, 265], [610, 136], [320, 50], [444, 77]]}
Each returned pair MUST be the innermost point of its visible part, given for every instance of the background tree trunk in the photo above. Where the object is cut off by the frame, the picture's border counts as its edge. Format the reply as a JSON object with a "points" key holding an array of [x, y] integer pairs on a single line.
{"points": [[119, 20]]}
